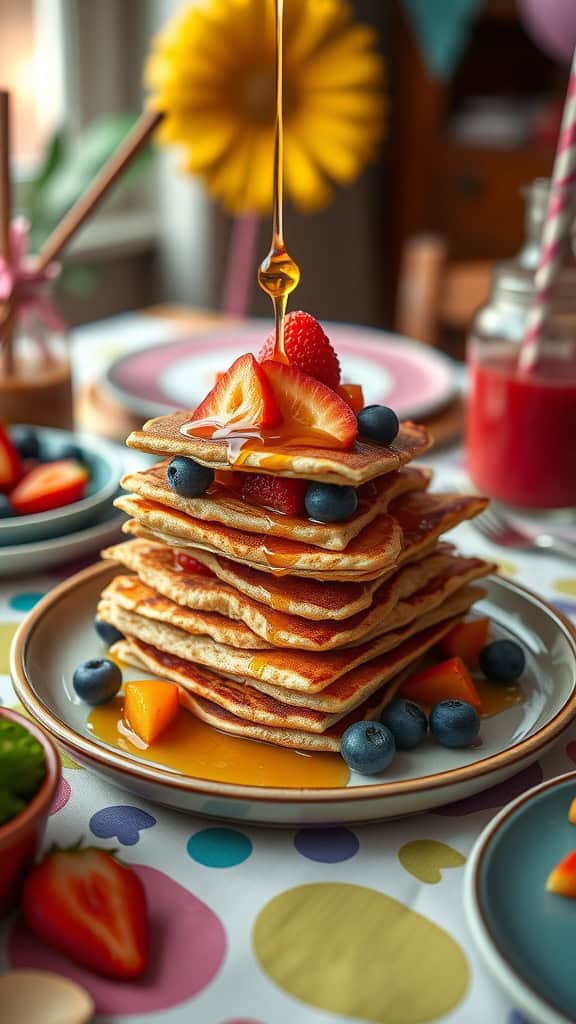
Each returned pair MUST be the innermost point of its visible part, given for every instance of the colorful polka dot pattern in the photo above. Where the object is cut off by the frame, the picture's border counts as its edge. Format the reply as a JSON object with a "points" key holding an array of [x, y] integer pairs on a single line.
{"points": [[219, 847], [425, 859], [122, 822], [26, 601], [326, 845], [188, 949]]}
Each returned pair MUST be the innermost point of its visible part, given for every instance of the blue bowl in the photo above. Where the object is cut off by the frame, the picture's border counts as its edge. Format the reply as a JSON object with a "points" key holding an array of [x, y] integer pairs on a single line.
{"points": [[526, 935], [103, 460]]}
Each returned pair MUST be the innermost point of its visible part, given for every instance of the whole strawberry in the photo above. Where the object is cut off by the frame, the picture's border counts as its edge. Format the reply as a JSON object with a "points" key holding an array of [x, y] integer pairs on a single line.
{"points": [[307, 348]]}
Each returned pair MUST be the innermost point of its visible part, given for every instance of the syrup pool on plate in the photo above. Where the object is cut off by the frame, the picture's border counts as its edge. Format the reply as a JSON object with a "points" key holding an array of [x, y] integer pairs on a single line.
{"points": [[198, 750]]}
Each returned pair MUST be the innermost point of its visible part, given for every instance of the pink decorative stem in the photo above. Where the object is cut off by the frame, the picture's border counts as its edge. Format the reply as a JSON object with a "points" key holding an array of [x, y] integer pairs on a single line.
{"points": [[557, 226], [240, 263]]}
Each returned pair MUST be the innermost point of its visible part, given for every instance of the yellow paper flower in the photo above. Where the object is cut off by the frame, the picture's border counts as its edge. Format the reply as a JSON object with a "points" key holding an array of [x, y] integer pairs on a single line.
{"points": [[212, 71]]}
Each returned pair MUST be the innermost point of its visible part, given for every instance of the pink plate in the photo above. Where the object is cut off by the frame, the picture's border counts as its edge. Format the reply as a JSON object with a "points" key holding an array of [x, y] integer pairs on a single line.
{"points": [[410, 377]]}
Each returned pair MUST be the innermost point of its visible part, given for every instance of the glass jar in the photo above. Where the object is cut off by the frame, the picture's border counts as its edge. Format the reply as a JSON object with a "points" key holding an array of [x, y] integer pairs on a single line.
{"points": [[521, 425], [35, 376]]}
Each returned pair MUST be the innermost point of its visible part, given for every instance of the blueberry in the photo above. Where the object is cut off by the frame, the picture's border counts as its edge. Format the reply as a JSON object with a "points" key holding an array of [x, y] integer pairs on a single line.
{"points": [[407, 723], [97, 680], [379, 423], [26, 442], [107, 632], [502, 661], [368, 747], [70, 451], [454, 723], [6, 509], [188, 478], [328, 503]]}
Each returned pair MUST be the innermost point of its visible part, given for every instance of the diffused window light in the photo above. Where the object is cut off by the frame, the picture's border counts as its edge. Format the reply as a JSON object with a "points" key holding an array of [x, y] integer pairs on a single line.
{"points": [[31, 69]]}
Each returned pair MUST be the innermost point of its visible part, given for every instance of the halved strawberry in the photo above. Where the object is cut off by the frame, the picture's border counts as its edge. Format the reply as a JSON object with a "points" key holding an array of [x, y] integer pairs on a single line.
{"points": [[10, 463], [90, 907], [312, 413], [276, 492], [307, 348], [242, 397], [49, 486], [191, 565]]}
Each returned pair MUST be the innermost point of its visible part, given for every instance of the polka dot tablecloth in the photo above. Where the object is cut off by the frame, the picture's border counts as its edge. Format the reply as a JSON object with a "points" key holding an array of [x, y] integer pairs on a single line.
{"points": [[305, 926]]}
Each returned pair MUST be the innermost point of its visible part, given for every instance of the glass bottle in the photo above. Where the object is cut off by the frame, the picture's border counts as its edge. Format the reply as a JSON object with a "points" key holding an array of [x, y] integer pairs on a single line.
{"points": [[521, 427], [35, 375]]}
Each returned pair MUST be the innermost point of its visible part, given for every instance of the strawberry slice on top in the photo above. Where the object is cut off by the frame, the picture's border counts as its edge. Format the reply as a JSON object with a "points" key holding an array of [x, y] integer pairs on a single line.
{"points": [[307, 348], [242, 398], [312, 413]]}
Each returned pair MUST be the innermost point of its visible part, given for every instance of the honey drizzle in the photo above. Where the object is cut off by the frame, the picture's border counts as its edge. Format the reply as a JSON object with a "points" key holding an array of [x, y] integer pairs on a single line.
{"points": [[278, 274]]}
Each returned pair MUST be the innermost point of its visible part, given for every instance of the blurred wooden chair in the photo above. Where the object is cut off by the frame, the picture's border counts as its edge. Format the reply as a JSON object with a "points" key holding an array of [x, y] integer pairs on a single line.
{"points": [[433, 293]]}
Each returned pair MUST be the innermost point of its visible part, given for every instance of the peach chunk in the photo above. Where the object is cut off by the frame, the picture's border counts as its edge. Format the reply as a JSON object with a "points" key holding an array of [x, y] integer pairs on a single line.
{"points": [[572, 812], [150, 705], [465, 640], [562, 880], [447, 681]]}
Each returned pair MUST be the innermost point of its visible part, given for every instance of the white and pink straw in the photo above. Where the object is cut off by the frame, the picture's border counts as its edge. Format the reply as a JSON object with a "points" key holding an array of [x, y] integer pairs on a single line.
{"points": [[559, 218]]}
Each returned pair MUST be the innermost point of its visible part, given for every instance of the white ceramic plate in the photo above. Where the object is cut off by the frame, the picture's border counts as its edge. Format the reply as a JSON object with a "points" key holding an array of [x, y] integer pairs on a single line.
{"points": [[412, 378], [524, 934], [19, 559], [105, 462], [58, 634]]}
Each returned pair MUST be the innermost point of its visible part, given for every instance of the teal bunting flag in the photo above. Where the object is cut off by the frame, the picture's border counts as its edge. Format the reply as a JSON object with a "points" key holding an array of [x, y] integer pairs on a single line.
{"points": [[442, 29]]}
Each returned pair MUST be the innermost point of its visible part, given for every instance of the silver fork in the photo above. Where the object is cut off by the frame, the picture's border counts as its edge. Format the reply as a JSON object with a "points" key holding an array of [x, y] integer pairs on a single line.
{"points": [[498, 530]]}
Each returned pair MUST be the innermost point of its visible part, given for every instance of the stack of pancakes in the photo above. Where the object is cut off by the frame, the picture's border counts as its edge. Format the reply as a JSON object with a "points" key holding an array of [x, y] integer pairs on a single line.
{"points": [[295, 629]]}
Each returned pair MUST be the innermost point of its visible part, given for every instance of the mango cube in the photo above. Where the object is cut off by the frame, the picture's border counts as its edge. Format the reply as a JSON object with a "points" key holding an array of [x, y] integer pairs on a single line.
{"points": [[562, 880], [449, 680], [150, 705], [465, 640]]}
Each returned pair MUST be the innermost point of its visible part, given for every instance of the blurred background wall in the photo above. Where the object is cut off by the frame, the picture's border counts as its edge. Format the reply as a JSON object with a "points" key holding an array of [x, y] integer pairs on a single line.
{"points": [[460, 145]]}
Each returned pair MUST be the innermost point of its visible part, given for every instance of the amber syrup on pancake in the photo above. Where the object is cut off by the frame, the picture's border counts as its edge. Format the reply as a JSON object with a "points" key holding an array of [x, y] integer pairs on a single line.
{"points": [[279, 275]]}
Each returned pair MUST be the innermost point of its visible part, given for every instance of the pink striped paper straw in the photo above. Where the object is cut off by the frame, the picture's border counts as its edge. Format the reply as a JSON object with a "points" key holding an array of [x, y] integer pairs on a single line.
{"points": [[557, 226]]}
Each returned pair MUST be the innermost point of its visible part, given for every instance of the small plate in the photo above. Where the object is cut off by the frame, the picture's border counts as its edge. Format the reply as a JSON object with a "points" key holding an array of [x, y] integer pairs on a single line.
{"points": [[105, 464], [18, 559], [412, 378], [525, 935], [58, 634]]}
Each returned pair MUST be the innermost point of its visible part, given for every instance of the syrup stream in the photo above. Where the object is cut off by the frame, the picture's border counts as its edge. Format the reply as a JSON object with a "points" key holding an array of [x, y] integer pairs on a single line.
{"points": [[278, 274]]}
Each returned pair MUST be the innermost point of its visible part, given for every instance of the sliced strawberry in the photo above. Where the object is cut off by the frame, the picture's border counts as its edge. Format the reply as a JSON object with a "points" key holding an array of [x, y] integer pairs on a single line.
{"points": [[276, 492], [191, 565], [10, 463], [49, 486], [307, 348], [312, 413], [353, 395], [242, 397], [90, 907]]}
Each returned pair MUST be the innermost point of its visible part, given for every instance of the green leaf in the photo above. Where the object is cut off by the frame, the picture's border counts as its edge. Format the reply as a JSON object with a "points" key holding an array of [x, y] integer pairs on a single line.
{"points": [[69, 173], [54, 155]]}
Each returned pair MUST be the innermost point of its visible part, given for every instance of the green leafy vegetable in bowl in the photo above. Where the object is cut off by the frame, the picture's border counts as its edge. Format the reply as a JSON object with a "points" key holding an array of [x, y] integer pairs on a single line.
{"points": [[22, 768]]}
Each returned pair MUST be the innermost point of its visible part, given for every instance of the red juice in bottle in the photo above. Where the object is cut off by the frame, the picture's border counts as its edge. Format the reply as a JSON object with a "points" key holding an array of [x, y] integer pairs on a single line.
{"points": [[521, 430]]}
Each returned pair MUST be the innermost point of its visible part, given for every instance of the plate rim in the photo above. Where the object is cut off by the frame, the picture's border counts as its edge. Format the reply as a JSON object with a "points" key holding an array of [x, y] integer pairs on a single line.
{"points": [[144, 407], [110, 759], [494, 958]]}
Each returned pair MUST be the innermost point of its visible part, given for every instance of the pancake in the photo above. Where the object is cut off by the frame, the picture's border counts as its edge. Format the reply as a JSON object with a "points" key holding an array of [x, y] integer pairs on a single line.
{"points": [[198, 594], [293, 669], [291, 595], [223, 505], [356, 465], [145, 657], [374, 549], [133, 595], [256, 706], [411, 527]]}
